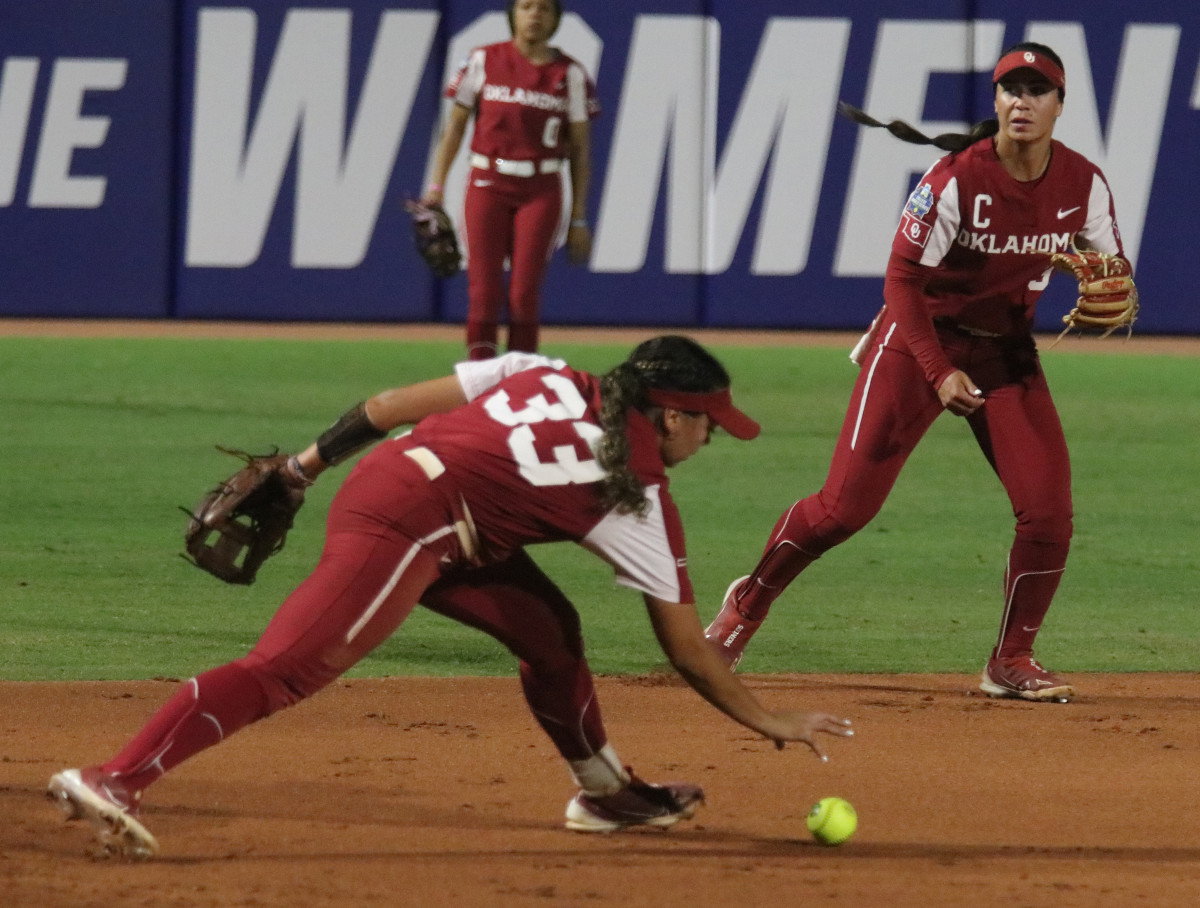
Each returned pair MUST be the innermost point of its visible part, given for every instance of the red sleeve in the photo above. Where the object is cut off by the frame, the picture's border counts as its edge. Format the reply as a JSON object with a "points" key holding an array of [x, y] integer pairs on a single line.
{"points": [[452, 87], [904, 293]]}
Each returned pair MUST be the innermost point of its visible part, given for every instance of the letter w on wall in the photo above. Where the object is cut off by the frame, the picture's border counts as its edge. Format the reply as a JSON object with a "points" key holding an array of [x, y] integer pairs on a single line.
{"points": [[238, 163]]}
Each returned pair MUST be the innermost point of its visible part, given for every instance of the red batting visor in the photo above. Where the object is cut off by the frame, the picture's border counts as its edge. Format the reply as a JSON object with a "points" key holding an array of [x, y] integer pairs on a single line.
{"points": [[717, 405], [1028, 59]]}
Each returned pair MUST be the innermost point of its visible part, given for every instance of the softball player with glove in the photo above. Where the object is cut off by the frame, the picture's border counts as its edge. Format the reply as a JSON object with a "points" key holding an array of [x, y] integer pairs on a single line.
{"points": [[510, 451], [969, 260], [533, 105]]}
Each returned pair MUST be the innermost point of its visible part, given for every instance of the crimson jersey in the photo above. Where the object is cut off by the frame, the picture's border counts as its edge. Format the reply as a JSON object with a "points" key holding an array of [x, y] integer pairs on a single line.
{"points": [[989, 237], [522, 108], [519, 468]]}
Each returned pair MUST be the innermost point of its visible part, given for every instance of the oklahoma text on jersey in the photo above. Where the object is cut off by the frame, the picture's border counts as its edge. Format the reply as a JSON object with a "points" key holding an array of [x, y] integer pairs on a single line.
{"points": [[505, 94], [991, 244]]}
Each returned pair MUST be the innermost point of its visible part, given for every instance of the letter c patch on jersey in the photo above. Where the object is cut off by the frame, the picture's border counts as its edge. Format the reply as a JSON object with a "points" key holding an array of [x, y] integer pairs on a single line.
{"points": [[915, 231]]}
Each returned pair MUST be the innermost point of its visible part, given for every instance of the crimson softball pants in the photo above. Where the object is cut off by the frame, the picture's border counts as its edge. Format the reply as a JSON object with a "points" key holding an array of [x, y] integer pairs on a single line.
{"points": [[891, 408], [372, 572], [513, 218]]}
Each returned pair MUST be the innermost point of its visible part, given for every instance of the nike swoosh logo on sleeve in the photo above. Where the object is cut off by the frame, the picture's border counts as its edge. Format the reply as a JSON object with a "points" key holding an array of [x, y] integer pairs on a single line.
{"points": [[1062, 214]]}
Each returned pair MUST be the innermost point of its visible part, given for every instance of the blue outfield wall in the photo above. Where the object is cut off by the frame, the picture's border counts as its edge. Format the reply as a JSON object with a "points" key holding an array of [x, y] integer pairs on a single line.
{"points": [[249, 160], [87, 157]]}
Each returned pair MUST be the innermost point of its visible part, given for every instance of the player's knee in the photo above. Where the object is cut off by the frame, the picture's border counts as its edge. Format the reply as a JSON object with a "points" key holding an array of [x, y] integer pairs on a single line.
{"points": [[1046, 528], [832, 523], [553, 669], [836, 529], [552, 653]]}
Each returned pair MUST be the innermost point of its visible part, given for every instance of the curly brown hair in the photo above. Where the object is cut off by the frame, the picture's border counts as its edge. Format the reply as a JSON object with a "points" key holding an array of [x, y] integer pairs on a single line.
{"points": [[670, 362]]}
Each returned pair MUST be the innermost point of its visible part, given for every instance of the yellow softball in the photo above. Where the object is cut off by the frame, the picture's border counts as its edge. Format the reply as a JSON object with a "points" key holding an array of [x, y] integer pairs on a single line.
{"points": [[832, 820]]}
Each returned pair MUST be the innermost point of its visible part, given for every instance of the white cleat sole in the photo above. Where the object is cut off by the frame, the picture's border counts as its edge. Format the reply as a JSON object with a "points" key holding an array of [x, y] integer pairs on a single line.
{"points": [[580, 819], [119, 832], [1060, 694]]}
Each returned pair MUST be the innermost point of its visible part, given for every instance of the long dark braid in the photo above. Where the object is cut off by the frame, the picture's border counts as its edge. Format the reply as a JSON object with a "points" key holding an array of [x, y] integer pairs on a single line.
{"points": [[947, 141], [670, 362]]}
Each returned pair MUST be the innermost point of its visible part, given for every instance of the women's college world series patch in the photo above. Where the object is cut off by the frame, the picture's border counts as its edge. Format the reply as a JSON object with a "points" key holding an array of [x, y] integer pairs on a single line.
{"points": [[920, 201], [912, 225]]}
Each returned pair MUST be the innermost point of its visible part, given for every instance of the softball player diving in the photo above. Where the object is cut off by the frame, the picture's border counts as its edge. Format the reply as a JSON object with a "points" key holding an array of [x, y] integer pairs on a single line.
{"points": [[507, 452]]}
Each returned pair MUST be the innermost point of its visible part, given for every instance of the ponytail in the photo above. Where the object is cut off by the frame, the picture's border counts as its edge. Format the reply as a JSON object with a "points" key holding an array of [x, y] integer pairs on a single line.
{"points": [[947, 141]]}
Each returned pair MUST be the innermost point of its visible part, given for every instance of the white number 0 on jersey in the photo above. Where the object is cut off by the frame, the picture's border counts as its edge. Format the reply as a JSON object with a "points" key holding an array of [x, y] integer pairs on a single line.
{"points": [[566, 467]]}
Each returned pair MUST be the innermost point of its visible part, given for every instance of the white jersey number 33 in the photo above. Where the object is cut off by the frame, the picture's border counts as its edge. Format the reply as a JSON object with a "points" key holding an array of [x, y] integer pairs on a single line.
{"points": [[566, 467]]}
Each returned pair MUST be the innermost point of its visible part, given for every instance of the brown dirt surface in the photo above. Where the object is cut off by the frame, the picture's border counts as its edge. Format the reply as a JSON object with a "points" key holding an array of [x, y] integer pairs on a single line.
{"points": [[428, 791]]}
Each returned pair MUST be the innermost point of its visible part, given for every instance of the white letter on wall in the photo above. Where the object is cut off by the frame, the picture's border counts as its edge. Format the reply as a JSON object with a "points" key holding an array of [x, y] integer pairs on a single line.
{"points": [[1136, 115], [64, 130], [882, 176], [237, 166], [664, 101], [17, 84], [785, 116]]}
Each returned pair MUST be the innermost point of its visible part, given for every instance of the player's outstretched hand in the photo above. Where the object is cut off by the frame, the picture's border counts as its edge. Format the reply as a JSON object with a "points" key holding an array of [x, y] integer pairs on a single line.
{"points": [[804, 727]]}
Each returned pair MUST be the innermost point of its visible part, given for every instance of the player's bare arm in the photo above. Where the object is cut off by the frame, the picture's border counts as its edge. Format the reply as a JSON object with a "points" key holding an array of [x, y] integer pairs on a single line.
{"points": [[448, 145], [579, 235], [681, 636], [379, 415]]}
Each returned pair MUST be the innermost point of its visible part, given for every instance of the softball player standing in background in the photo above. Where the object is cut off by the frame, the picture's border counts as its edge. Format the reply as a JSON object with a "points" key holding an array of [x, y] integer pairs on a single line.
{"points": [[507, 452], [969, 260], [533, 105]]}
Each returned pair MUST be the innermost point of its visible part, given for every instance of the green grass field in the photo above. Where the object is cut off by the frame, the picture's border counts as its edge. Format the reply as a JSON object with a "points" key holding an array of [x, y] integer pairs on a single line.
{"points": [[104, 439]]}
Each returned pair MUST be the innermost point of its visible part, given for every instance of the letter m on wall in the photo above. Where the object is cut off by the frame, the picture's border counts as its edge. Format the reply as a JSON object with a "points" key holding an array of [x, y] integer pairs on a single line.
{"points": [[668, 117]]}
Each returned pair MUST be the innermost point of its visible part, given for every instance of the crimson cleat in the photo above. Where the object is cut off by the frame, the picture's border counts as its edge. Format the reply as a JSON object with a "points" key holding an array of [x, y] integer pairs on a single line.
{"points": [[1023, 678], [637, 804], [730, 631], [89, 794]]}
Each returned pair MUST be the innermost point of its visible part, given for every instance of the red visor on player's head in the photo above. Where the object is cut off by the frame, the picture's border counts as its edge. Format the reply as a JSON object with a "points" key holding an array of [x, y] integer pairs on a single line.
{"points": [[717, 405], [1028, 59]]}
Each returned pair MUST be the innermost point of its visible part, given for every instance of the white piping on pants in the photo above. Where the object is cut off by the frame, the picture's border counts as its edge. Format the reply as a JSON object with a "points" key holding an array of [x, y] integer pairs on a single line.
{"points": [[862, 404], [382, 595], [1012, 594]]}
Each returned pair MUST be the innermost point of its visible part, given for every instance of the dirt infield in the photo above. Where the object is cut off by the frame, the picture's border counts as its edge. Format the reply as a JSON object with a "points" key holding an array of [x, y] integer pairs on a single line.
{"points": [[420, 791]]}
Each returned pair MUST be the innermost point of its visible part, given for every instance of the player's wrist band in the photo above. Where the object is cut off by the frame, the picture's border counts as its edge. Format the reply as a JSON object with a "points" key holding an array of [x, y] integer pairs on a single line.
{"points": [[350, 433], [579, 222], [435, 187]]}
